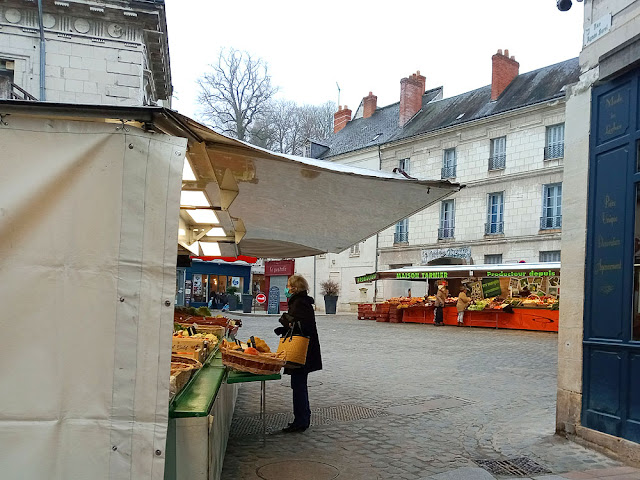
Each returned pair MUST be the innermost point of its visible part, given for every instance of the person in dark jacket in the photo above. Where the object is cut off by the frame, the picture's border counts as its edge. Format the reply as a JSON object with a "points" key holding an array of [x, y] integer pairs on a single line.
{"points": [[302, 318]]}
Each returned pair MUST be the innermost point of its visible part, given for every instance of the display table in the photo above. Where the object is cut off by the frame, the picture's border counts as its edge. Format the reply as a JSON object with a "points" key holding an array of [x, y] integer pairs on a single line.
{"points": [[522, 318], [244, 377], [199, 423]]}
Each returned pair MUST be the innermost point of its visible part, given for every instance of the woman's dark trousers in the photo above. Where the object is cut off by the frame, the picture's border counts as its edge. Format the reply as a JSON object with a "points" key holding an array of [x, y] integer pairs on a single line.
{"points": [[301, 410]]}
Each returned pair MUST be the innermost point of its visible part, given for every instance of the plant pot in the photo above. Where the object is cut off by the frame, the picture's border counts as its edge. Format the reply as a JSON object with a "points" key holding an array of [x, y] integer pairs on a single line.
{"points": [[330, 303], [233, 302]]}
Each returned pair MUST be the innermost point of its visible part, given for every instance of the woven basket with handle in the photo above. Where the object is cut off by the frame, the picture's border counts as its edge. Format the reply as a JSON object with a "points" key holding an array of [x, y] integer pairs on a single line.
{"points": [[263, 364]]}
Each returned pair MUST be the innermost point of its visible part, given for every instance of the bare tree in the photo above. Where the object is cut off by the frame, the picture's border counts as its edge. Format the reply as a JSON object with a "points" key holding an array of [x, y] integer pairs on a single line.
{"points": [[235, 93], [287, 127]]}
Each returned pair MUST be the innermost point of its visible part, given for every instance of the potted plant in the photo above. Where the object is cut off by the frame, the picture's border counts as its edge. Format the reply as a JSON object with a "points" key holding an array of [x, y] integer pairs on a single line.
{"points": [[330, 291], [232, 298]]}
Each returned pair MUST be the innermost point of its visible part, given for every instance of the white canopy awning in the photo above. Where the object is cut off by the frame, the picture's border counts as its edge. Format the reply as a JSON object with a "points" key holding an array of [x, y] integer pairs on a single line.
{"points": [[287, 206]]}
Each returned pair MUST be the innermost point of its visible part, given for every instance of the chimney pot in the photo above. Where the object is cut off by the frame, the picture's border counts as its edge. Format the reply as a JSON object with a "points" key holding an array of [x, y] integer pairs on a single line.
{"points": [[411, 92], [369, 104], [499, 51], [513, 58], [504, 71], [341, 118]]}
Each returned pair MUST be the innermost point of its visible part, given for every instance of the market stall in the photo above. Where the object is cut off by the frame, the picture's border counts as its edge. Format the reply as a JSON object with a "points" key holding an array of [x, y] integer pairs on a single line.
{"points": [[522, 296], [93, 200]]}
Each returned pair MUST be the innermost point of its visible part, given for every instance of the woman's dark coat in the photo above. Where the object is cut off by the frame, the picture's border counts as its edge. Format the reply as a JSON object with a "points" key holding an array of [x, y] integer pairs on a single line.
{"points": [[301, 309]]}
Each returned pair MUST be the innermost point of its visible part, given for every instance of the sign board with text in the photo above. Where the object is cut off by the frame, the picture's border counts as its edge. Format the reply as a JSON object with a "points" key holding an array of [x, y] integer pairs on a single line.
{"points": [[274, 301]]}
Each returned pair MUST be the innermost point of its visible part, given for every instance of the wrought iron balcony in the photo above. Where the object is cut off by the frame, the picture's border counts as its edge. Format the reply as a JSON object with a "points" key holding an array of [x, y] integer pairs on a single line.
{"points": [[445, 232], [449, 172], [498, 162], [547, 223], [493, 228], [401, 237], [554, 151]]}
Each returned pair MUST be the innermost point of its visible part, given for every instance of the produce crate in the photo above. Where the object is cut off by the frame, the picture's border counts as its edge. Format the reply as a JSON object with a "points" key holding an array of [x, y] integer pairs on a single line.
{"points": [[365, 311], [383, 307], [396, 315]]}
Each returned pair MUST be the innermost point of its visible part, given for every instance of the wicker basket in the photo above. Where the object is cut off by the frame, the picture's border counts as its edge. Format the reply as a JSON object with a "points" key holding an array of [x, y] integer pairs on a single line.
{"points": [[263, 364]]}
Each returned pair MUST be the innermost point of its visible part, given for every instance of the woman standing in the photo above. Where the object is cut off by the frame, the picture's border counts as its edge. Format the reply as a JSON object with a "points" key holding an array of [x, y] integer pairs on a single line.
{"points": [[303, 321], [441, 298], [463, 303]]}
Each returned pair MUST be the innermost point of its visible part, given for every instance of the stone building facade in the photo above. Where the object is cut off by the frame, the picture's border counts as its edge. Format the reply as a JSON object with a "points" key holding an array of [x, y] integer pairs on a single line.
{"points": [[109, 53], [599, 334], [504, 142]]}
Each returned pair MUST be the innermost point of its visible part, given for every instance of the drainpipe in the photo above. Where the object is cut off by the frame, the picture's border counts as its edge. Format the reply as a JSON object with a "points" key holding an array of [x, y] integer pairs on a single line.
{"points": [[42, 52], [375, 264], [314, 275]]}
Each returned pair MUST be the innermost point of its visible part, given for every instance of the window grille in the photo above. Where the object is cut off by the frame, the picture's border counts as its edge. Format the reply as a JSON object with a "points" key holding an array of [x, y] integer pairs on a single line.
{"points": [[498, 158]]}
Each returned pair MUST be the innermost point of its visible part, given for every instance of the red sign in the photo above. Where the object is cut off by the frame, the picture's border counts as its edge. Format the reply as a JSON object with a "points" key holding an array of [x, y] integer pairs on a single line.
{"points": [[261, 298], [279, 267]]}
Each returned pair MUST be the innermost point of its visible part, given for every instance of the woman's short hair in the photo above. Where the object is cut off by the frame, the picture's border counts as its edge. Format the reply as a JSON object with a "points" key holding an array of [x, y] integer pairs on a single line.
{"points": [[298, 283]]}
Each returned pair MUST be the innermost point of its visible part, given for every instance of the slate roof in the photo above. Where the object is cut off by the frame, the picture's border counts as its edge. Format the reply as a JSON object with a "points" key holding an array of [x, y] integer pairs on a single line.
{"points": [[363, 132], [542, 85]]}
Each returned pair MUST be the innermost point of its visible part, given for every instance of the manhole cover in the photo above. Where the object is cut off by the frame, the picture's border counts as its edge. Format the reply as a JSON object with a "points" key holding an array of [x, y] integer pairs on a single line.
{"points": [[252, 425], [521, 466], [298, 469]]}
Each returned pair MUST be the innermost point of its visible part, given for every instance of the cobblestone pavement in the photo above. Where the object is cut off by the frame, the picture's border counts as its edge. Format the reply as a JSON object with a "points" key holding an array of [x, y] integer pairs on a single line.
{"points": [[411, 401]]}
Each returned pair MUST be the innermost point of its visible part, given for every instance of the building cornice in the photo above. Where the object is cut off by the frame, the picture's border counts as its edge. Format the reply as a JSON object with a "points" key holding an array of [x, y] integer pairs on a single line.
{"points": [[474, 243], [118, 23]]}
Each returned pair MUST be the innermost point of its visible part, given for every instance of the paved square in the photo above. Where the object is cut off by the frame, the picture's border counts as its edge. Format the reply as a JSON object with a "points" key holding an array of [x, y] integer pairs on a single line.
{"points": [[451, 396]]}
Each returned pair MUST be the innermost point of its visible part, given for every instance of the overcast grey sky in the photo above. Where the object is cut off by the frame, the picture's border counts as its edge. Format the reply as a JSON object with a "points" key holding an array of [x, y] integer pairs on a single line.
{"points": [[367, 45]]}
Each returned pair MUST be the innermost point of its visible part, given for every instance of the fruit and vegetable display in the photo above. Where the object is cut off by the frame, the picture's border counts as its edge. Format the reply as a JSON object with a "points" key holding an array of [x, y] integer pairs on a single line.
{"points": [[253, 356], [196, 336]]}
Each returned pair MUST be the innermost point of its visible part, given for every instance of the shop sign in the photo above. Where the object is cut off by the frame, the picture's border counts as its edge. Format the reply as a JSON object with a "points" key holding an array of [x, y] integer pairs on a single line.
{"points": [[274, 300], [284, 267], [187, 292], [367, 278], [235, 282], [532, 273], [491, 287], [421, 275], [435, 253]]}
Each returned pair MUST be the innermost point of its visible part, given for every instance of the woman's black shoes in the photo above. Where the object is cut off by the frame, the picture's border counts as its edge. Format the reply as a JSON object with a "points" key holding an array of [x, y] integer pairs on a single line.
{"points": [[293, 429]]}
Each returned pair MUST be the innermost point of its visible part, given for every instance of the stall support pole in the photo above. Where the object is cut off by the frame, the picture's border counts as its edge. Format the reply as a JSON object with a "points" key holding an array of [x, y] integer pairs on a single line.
{"points": [[263, 404]]}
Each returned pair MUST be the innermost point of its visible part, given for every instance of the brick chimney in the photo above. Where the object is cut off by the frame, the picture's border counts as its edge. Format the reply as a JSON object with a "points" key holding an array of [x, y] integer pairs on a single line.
{"points": [[340, 118], [504, 70], [411, 91], [370, 103]]}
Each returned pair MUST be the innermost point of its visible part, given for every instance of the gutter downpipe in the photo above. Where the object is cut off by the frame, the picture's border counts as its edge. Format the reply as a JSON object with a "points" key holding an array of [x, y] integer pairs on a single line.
{"points": [[42, 53], [375, 263]]}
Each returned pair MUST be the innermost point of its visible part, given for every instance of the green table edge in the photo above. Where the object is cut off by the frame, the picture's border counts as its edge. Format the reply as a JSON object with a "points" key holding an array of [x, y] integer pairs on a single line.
{"points": [[197, 397], [243, 377]]}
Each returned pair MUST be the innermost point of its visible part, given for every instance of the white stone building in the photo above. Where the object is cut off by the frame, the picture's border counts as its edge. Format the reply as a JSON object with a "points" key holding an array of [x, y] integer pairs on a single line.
{"points": [[77, 51], [504, 142]]}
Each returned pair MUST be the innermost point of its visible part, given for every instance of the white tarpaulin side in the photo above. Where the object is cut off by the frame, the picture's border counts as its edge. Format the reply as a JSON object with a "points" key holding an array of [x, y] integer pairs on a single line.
{"points": [[88, 227]]}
